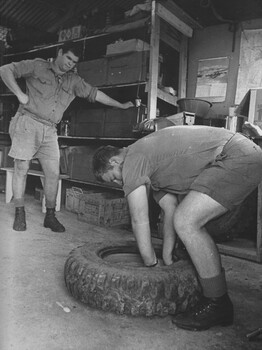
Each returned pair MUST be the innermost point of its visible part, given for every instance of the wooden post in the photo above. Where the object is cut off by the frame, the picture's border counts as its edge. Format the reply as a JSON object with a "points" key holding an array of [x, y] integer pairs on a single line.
{"points": [[259, 223], [182, 83], [153, 63]]}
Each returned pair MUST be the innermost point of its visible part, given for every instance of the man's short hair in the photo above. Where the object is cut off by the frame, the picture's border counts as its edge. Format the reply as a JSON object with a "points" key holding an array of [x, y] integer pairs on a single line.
{"points": [[75, 47], [101, 160]]}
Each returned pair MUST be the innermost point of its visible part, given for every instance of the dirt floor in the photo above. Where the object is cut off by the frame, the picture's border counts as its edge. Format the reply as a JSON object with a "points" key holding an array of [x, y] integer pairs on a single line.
{"points": [[32, 283]]}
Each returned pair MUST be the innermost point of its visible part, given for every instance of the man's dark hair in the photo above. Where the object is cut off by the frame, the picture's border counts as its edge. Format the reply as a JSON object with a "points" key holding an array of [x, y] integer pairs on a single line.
{"points": [[75, 47], [101, 160]]}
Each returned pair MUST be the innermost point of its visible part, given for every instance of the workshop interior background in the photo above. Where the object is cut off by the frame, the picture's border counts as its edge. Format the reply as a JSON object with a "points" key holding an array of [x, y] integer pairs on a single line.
{"points": [[209, 50]]}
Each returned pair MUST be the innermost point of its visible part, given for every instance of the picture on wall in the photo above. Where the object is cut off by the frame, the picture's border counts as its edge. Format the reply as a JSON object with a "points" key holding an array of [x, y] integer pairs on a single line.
{"points": [[250, 63], [212, 77]]}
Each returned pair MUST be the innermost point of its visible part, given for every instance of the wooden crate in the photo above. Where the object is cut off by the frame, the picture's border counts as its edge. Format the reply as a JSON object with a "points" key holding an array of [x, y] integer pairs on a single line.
{"points": [[94, 71], [73, 197], [104, 209]]}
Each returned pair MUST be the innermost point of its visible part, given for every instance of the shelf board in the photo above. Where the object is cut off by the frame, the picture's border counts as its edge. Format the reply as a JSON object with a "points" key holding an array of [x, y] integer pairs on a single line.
{"points": [[7, 95], [110, 187], [121, 85], [165, 96], [106, 32], [240, 248], [97, 138]]}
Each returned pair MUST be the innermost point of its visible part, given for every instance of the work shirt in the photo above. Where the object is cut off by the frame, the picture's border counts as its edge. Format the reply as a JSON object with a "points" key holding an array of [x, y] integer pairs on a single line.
{"points": [[170, 159], [49, 94]]}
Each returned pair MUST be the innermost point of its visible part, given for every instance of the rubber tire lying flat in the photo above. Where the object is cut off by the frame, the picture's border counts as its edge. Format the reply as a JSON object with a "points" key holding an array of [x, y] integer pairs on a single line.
{"points": [[120, 287]]}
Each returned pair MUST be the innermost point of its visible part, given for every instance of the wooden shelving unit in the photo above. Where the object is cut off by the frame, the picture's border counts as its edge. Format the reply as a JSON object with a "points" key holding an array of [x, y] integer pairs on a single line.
{"points": [[244, 248]]}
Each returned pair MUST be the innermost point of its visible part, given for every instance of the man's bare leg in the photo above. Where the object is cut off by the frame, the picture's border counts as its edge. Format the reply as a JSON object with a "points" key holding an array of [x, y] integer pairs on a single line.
{"points": [[189, 221], [168, 204], [19, 183], [51, 170]]}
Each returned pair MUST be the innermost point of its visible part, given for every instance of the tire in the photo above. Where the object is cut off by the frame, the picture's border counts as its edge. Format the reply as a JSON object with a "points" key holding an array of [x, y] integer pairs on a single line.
{"points": [[111, 276]]}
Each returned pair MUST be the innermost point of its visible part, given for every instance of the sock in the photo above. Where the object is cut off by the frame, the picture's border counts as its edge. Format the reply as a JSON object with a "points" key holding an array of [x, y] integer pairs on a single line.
{"points": [[214, 287], [19, 202]]}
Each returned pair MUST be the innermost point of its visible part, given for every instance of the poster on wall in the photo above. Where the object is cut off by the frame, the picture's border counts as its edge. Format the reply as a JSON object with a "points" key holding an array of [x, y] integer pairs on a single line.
{"points": [[250, 63], [212, 79]]}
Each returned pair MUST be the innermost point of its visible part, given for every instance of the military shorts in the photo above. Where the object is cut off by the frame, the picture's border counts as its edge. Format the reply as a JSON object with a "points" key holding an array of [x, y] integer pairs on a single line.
{"points": [[32, 139], [234, 174]]}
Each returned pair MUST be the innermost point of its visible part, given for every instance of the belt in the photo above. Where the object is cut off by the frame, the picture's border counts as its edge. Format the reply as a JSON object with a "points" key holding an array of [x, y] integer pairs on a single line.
{"points": [[38, 119]]}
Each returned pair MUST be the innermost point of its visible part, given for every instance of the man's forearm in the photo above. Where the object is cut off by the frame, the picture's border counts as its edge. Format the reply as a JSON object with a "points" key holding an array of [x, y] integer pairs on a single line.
{"points": [[138, 207], [169, 239], [106, 100], [142, 233]]}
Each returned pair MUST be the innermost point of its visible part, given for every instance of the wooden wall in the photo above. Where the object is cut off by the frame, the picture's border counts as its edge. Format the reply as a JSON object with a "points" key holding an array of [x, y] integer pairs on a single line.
{"points": [[213, 42]]}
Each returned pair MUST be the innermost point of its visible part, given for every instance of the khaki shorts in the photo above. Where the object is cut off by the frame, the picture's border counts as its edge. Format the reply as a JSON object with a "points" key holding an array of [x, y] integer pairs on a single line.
{"points": [[32, 139], [234, 174]]}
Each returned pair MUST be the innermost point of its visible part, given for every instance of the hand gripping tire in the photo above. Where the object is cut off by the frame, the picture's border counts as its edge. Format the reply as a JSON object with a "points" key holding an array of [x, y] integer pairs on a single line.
{"points": [[111, 276]]}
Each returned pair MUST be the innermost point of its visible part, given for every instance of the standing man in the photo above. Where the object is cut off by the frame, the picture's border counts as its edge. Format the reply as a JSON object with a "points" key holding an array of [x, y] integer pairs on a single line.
{"points": [[215, 170], [50, 88]]}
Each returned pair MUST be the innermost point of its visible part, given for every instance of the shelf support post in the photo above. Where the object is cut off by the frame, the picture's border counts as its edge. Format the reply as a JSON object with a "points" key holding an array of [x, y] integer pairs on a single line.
{"points": [[182, 80], [153, 62]]}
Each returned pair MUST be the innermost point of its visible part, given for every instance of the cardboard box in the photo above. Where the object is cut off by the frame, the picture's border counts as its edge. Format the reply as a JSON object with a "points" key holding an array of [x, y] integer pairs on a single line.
{"points": [[39, 194], [104, 209], [120, 47], [75, 32], [88, 122], [2, 180], [5, 160], [128, 68], [80, 166], [94, 71], [35, 165], [120, 123], [80, 163], [109, 122]]}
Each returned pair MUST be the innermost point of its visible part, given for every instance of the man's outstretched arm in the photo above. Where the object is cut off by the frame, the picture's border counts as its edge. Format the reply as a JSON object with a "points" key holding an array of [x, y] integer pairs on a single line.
{"points": [[106, 100]]}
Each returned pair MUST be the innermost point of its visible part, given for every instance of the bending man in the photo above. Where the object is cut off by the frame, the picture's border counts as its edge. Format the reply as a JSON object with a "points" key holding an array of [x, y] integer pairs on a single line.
{"points": [[214, 170]]}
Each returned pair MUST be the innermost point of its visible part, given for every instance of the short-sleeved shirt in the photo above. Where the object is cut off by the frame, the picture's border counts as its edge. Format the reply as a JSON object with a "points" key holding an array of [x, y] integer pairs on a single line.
{"points": [[181, 158], [49, 94]]}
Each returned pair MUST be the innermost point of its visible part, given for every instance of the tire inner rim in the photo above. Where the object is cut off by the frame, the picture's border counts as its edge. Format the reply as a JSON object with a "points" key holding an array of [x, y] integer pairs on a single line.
{"points": [[125, 255]]}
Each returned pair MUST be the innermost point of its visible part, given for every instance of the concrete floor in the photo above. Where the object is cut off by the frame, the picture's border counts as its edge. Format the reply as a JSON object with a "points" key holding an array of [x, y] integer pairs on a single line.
{"points": [[31, 272]]}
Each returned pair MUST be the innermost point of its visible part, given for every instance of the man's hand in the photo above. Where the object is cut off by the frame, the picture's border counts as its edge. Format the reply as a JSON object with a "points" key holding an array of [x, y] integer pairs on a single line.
{"points": [[23, 98], [127, 105]]}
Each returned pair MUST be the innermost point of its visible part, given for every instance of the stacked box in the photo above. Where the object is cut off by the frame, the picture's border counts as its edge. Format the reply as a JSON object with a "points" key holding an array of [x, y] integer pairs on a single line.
{"points": [[126, 46], [104, 209], [120, 123], [80, 163], [88, 122], [94, 71], [110, 122], [39, 194], [2, 180], [5, 160], [35, 165], [128, 68], [73, 196]]}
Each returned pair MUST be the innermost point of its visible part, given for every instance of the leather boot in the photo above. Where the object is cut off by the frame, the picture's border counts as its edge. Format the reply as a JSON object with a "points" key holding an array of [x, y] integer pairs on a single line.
{"points": [[208, 313], [52, 222], [19, 222]]}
